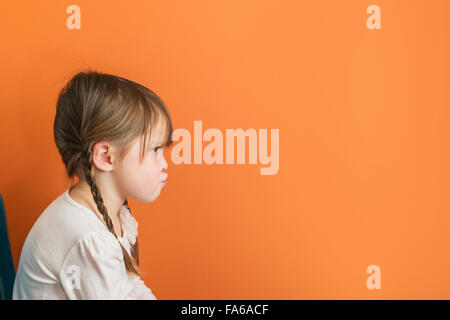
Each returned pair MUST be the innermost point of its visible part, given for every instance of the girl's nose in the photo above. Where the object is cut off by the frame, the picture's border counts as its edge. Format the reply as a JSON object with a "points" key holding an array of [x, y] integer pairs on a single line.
{"points": [[164, 164]]}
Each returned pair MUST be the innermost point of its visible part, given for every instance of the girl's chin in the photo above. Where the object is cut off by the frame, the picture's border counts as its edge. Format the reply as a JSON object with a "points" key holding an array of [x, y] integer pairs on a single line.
{"points": [[148, 199]]}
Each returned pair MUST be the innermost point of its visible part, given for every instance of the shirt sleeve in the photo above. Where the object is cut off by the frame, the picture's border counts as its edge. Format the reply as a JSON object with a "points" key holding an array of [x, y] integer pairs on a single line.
{"points": [[140, 291], [94, 269]]}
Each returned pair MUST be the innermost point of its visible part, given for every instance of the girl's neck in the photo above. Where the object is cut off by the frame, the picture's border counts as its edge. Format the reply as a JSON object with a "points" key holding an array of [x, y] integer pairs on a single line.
{"points": [[81, 193]]}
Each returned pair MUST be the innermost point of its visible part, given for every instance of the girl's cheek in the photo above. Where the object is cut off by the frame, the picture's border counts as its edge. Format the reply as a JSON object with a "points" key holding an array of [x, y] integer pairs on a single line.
{"points": [[148, 167]]}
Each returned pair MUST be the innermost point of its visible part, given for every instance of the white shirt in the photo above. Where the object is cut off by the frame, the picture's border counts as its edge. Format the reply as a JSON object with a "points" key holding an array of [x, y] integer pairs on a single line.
{"points": [[70, 254]]}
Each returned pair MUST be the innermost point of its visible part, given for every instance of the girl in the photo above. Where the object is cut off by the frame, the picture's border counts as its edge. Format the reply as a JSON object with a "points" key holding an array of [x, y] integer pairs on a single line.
{"points": [[110, 133]]}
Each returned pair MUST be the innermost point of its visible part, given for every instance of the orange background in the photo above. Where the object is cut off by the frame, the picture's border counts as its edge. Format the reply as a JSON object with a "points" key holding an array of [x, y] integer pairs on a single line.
{"points": [[363, 115]]}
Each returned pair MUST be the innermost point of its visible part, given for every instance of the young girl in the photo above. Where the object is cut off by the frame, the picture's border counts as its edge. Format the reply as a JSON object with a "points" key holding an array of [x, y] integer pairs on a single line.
{"points": [[110, 133]]}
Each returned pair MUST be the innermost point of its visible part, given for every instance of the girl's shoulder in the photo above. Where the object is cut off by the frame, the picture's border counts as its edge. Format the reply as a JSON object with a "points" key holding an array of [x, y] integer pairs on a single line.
{"points": [[69, 216], [58, 229], [62, 223]]}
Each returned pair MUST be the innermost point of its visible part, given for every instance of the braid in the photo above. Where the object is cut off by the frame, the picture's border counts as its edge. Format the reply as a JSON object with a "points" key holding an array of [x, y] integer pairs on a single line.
{"points": [[89, 174], [135, 247], [96, 193]]}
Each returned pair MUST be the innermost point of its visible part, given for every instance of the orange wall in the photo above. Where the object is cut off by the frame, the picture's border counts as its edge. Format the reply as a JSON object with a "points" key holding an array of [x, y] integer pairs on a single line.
{"points": [[363, 115]]}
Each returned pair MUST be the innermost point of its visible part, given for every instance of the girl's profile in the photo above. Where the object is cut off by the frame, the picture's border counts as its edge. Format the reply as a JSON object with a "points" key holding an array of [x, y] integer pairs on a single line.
{"points": [[110, 133]]}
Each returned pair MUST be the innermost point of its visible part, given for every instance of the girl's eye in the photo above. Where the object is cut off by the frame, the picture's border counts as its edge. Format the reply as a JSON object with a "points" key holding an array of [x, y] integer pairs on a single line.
{"points": [[156, 149]]}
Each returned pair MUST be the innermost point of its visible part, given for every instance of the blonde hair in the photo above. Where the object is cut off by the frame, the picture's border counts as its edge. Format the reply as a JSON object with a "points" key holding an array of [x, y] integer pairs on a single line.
{"points": [[96, 106]]}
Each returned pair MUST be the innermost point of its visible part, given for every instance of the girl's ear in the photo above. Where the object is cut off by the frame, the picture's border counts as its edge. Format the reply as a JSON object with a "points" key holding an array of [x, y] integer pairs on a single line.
{"points": [[102, 156]]}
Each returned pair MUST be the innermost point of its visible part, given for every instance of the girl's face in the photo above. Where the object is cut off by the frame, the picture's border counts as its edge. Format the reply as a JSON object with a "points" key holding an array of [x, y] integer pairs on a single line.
{"points": [[142, 181]]}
